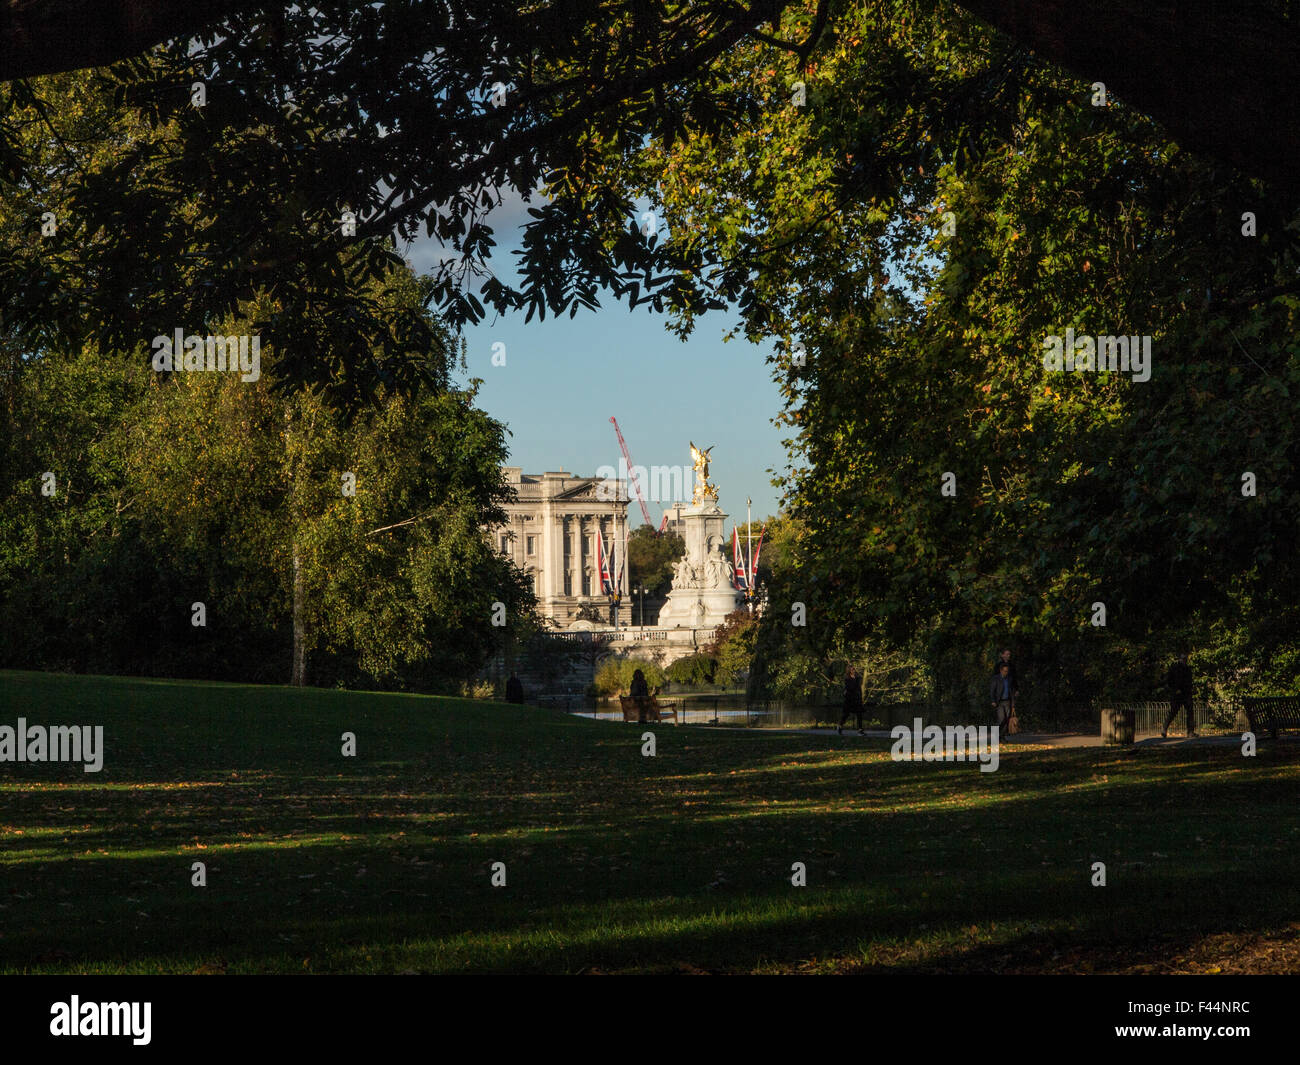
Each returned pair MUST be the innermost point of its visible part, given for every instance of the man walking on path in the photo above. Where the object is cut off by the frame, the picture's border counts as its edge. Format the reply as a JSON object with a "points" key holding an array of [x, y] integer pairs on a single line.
{"points": [[1180, 684], [1004, 658], [852, 700], [1002, 693]]}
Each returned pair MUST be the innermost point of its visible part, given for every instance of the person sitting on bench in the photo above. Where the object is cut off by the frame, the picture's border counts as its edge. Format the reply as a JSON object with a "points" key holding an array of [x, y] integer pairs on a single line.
{"points": [[640, 691]]}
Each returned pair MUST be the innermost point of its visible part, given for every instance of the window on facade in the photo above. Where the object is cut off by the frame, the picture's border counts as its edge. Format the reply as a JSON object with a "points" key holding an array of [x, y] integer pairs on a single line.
{"points": [[505, 544], [532, 545]]}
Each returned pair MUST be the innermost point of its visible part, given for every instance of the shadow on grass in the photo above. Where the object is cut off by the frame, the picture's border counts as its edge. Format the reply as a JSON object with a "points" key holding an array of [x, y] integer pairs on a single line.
{"points": [[615, 861]]}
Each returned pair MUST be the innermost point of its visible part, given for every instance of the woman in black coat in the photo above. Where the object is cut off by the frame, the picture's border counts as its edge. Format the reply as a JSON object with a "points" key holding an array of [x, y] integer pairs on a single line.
{"points": [[852, 700]]}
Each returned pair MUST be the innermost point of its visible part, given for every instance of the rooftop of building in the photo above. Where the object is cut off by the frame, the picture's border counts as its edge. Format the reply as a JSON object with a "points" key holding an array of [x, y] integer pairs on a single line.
{"points": [[553, 483]]}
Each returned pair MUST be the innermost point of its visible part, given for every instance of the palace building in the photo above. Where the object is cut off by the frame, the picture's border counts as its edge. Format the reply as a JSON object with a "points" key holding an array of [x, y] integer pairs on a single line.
{"points": [[551, 536]]}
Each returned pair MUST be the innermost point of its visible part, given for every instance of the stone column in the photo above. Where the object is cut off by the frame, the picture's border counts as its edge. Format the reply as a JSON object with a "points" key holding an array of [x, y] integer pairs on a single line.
{"points": [[546, 556], [575, 556], [561, 531], [584, 559], [556, 557]]}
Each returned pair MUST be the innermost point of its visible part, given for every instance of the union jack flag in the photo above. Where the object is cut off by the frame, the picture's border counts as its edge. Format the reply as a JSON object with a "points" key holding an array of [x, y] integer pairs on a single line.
{"points": [[758, 549], [739, 577], [603, 567]]}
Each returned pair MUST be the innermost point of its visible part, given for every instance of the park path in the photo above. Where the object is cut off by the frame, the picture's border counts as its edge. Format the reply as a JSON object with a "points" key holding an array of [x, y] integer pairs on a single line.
{"points": [[1051, 739]]}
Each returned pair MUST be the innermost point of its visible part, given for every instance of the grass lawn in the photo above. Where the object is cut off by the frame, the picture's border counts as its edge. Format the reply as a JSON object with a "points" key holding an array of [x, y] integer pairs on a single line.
{"points": [[614, 861]]}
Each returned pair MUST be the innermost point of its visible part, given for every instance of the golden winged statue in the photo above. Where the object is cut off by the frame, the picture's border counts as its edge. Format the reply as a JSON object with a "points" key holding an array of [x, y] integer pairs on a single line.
{"points": [[703, 490]]}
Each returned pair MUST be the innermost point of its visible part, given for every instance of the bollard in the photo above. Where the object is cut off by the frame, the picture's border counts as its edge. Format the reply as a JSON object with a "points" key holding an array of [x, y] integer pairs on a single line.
{"points": [[1118, 726]]}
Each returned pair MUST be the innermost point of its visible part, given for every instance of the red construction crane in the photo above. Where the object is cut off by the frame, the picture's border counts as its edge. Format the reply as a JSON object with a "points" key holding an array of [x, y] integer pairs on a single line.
{"points": [[631, 472]]}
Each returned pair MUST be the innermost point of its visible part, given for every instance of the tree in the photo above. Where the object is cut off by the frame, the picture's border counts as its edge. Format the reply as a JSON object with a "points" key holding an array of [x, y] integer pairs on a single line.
{"points": [[692, 671], [769, 539], [732, 647], [374, 123], [351, 551], [1218, 78], [925, 253], [930, 205], [651, 558], [388, 114], [63, 35], [358, 530]]}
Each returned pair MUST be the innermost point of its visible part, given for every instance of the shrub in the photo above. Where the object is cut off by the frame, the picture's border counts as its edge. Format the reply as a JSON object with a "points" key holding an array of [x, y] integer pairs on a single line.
{"points": [[614, 677], [481, 689], [692, 671]]}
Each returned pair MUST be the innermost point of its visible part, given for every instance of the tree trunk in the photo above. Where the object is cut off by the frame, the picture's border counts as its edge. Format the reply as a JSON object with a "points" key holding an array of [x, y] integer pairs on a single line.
{"points": [[299, 678], [293, 455]]}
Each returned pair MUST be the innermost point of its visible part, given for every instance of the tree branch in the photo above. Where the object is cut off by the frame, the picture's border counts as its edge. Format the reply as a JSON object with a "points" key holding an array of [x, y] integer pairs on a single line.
{"points": [[511, 146], [1250, 299], [49, 36], [399, 524], [1219, 77]]}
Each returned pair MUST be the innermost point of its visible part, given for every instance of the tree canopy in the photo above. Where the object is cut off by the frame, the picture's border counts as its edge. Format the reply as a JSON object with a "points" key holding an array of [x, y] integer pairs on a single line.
{"points": [[912, 233], [161, 521], [1218, 77], [650, 560], [417, 118], [909, 198]]}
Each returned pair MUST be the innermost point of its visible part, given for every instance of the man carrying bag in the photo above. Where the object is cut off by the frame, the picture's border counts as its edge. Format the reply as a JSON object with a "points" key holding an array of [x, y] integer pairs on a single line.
{"points": [[1002, 694]]}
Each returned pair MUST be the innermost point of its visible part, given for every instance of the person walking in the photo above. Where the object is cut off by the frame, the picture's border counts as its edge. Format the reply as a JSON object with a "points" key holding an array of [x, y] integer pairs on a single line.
{"points": [[852, 700], [1004, 657], [1181, 689], [1002, 693]]}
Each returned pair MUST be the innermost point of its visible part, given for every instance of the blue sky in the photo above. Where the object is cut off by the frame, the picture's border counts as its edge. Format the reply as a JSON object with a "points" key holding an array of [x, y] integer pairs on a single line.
{"points": [[564, 378]]}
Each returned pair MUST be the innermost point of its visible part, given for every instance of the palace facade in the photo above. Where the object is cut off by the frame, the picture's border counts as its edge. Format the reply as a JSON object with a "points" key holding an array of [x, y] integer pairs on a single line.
{"points": [[551, 536]]}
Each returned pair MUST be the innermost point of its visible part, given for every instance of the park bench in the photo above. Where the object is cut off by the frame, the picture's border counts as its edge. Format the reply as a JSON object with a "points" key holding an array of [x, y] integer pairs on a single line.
{"points": [[653, 710], [1272, 712]]}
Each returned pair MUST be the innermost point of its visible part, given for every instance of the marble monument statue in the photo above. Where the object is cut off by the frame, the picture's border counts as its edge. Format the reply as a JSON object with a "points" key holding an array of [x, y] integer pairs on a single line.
{"points": [[703, 591]]}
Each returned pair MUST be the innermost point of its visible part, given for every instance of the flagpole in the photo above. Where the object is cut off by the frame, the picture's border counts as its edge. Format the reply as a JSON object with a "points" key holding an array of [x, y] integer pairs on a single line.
{"points": [[749, 555]]}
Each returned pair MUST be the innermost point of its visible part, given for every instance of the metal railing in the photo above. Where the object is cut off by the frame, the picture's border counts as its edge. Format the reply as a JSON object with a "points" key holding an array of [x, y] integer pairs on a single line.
{"points": [[734, 709], [1150, 716], [634, 634]]}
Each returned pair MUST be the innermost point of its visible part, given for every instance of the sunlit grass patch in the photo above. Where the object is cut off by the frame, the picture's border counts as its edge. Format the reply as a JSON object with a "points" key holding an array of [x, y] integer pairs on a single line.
{"points": [[615, 862]]}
